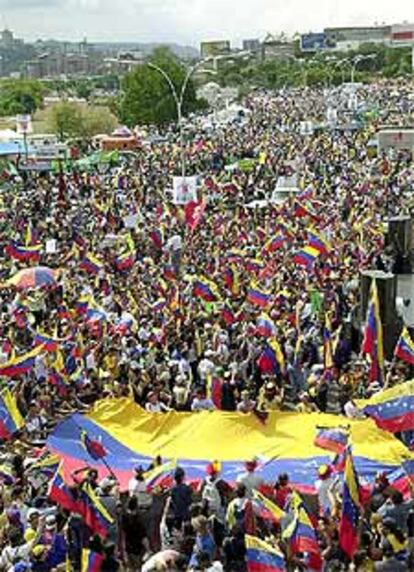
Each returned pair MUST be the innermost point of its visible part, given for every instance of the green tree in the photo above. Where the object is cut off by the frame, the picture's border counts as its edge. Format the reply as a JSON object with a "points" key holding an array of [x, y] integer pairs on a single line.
{"points": [[20, 96], [147, 97], [84, 121], [65, 119], [97, 120]]}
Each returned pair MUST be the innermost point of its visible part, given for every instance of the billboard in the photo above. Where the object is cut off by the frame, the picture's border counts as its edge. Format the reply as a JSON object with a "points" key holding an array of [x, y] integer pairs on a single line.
{"points": [[313, 42], [215, 48], [24, 124], [402, 35]]}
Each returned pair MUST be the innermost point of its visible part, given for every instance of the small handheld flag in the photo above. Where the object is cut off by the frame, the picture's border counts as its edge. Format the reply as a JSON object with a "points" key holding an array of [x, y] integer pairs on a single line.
{"points": [[351, 509], [11, 419], [91, 561], [404, 349], [262, 557], [333, 439]]}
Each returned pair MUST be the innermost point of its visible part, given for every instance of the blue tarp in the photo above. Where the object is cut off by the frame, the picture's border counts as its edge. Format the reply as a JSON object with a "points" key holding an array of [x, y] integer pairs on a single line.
{"points": [[13, 149]]}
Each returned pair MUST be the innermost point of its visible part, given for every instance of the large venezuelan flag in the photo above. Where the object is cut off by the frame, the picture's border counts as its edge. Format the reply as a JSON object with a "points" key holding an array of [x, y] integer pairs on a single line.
{"points": [[132, 436]]}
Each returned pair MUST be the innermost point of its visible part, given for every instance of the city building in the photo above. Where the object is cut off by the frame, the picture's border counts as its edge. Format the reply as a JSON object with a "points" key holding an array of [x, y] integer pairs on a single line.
{"points": [[251, 45], [277, 47], [124, 62], [7, 39]]}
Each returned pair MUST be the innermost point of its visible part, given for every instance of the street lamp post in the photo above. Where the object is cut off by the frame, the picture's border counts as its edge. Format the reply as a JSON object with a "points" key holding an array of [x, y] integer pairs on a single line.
{"points": [[179, 100], [356, 61]]}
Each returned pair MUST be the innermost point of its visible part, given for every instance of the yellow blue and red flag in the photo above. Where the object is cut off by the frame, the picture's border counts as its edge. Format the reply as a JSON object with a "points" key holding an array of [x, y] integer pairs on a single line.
{"points": [[306, 256], [96, 517], [262, 557], [373, 340], [11, 419], [318, 241], [301, 535], [205, 289], [24, 253], [49, 343], [160, 476], [125, 261], [266, 509], [258, 297], [271, 360], [19, 365], [91, 561], [351, 509], [265, 326], [274, 243], [392, 409], [404, 349], [91, 264], [61, 493], [333, 439]]}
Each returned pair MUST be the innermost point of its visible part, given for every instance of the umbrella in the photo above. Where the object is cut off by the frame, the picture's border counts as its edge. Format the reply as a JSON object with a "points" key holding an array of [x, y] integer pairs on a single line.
{"points": [[33, 277]]}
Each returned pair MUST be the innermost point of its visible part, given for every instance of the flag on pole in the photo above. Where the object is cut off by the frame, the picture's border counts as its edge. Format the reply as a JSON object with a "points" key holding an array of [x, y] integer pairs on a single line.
{"points": [[262, 557], [301, 535], [351, 508], [404, 349], [333, 439], [91, 561], [373, 340], [11, 419]]}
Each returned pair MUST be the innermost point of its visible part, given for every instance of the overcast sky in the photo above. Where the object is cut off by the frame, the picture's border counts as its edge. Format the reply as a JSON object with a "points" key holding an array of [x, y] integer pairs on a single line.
{"points": [[190, 21]]}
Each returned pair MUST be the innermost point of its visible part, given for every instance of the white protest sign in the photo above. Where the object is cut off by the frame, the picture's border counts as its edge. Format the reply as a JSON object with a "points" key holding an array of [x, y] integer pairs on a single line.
{"points": [[184, 190], [306, 128], [130, 221], [51, 246]]}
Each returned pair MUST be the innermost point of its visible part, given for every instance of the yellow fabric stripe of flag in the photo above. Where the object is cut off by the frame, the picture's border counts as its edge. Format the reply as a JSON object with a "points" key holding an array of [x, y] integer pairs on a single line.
{"points": [[254, 543], [11, 406], [277, 512], [311, 251], [274, 344]]}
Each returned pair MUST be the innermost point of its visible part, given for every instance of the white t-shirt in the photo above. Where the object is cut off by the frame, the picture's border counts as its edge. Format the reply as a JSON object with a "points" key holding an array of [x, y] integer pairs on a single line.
{"points": [[202, 404], [10, 556], [251, 481], [175, 243], [139, 490], [322, 488]]}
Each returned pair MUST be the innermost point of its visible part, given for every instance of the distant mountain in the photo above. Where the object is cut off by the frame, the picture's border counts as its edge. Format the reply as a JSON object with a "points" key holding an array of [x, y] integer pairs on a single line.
{"points": [[183, 52]]}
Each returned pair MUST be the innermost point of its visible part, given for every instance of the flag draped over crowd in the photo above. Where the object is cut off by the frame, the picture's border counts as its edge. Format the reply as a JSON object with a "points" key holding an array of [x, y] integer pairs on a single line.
{"points": [[129, 435]]}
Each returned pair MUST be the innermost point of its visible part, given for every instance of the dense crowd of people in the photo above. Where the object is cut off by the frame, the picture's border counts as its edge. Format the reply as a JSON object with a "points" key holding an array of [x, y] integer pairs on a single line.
{"points": [[169, 310]]}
